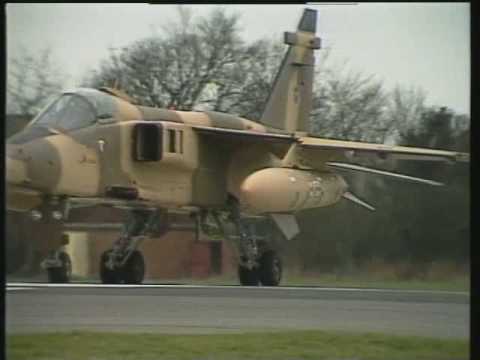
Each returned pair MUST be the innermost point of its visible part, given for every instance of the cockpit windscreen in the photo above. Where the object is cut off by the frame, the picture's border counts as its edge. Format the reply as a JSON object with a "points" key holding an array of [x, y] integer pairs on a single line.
{"points": [[76, 110]]}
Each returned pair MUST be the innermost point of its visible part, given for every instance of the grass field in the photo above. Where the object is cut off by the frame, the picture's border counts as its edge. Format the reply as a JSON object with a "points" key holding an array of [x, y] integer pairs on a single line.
{"points": [[281, 345]]}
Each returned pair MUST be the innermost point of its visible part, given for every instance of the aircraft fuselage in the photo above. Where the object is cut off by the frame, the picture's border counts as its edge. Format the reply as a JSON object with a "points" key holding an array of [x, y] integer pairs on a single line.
{"points": [[154, 155]]}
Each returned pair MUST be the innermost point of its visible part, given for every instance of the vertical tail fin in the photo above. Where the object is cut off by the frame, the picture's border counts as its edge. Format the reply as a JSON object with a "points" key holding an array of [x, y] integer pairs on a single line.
{"points": [[290, 101]]}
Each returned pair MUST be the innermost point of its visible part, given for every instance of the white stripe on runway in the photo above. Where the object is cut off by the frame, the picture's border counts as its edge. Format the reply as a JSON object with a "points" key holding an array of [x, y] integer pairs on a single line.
{"points": [[123, 286], [15, 288]]}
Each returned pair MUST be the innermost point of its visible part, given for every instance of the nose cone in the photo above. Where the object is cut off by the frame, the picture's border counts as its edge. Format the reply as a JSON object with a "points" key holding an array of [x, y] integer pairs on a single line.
{"points": [[16, 171]]}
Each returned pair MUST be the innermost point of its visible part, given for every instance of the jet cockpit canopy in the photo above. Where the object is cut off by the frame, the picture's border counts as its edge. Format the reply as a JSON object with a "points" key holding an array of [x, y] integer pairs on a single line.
{"points": [[76, 109]]}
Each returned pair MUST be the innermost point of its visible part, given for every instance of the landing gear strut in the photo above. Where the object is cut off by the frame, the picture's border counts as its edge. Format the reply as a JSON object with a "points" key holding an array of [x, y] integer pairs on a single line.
{"points": [[124, 263], [257, 263]]}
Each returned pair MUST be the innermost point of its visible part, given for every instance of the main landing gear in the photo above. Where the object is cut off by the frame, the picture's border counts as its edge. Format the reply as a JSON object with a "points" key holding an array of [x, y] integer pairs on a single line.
{"points": [[124, 264], [258, 264]]}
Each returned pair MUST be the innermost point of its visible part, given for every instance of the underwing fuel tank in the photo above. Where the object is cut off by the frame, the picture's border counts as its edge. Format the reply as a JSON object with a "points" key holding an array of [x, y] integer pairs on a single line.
{"points": [[277, 190]]}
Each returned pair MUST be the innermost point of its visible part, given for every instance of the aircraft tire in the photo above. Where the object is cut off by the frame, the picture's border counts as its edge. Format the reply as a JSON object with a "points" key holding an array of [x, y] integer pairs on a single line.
{"points": [[270, 271], [134, 269], [108, 276], [63, 273], [248, 277]]}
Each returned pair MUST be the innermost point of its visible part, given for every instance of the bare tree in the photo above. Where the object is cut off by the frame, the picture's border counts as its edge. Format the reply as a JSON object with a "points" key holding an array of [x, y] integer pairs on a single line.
{"points": [[348, 105], [32, 79], [199, 63], [404, 110], [243, 87]]}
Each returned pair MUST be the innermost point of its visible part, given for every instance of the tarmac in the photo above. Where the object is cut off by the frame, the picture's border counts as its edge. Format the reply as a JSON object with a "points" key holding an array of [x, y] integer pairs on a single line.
{"points": [[187, 309]]}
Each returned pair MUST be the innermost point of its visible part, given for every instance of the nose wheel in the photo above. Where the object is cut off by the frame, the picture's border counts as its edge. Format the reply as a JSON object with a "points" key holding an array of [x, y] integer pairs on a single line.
{"points": [[59, 267]]}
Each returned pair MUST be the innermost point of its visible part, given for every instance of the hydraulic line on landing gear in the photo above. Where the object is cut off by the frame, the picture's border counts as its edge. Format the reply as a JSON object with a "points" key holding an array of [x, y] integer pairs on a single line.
{"points": [[247, 243]]}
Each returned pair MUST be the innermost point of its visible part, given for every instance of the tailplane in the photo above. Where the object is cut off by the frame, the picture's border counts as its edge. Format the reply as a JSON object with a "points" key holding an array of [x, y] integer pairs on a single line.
{"points": [[290, 101]]}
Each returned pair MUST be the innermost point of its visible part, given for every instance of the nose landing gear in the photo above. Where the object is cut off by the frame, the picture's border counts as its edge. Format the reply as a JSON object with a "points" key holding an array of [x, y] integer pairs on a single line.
{"points": [[58, 264], [59, 267]]}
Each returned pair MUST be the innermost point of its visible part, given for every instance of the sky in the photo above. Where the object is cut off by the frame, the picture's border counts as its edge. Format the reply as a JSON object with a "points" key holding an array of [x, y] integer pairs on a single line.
{"points": [[424, 45]]}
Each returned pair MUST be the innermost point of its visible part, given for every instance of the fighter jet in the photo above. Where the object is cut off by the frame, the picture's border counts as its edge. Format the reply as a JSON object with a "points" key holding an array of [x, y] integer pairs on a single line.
{"points": [[97, 147]]}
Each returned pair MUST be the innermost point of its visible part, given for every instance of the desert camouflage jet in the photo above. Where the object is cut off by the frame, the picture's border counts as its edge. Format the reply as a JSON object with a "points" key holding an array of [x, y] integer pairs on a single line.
{"points": [[97, 147]]}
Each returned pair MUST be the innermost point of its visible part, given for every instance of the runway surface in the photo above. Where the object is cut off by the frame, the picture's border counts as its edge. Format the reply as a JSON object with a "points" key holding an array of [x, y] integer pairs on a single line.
{"points": [[34, 307]]}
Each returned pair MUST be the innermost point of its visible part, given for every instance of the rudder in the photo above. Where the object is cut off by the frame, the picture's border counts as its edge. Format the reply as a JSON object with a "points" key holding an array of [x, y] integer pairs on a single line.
{"points": [[290, 101]]}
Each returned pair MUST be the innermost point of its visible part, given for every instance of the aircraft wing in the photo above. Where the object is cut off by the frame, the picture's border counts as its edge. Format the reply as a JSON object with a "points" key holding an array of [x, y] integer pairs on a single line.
{"points": [[348, 149], [247, 135], [352, 149]]}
